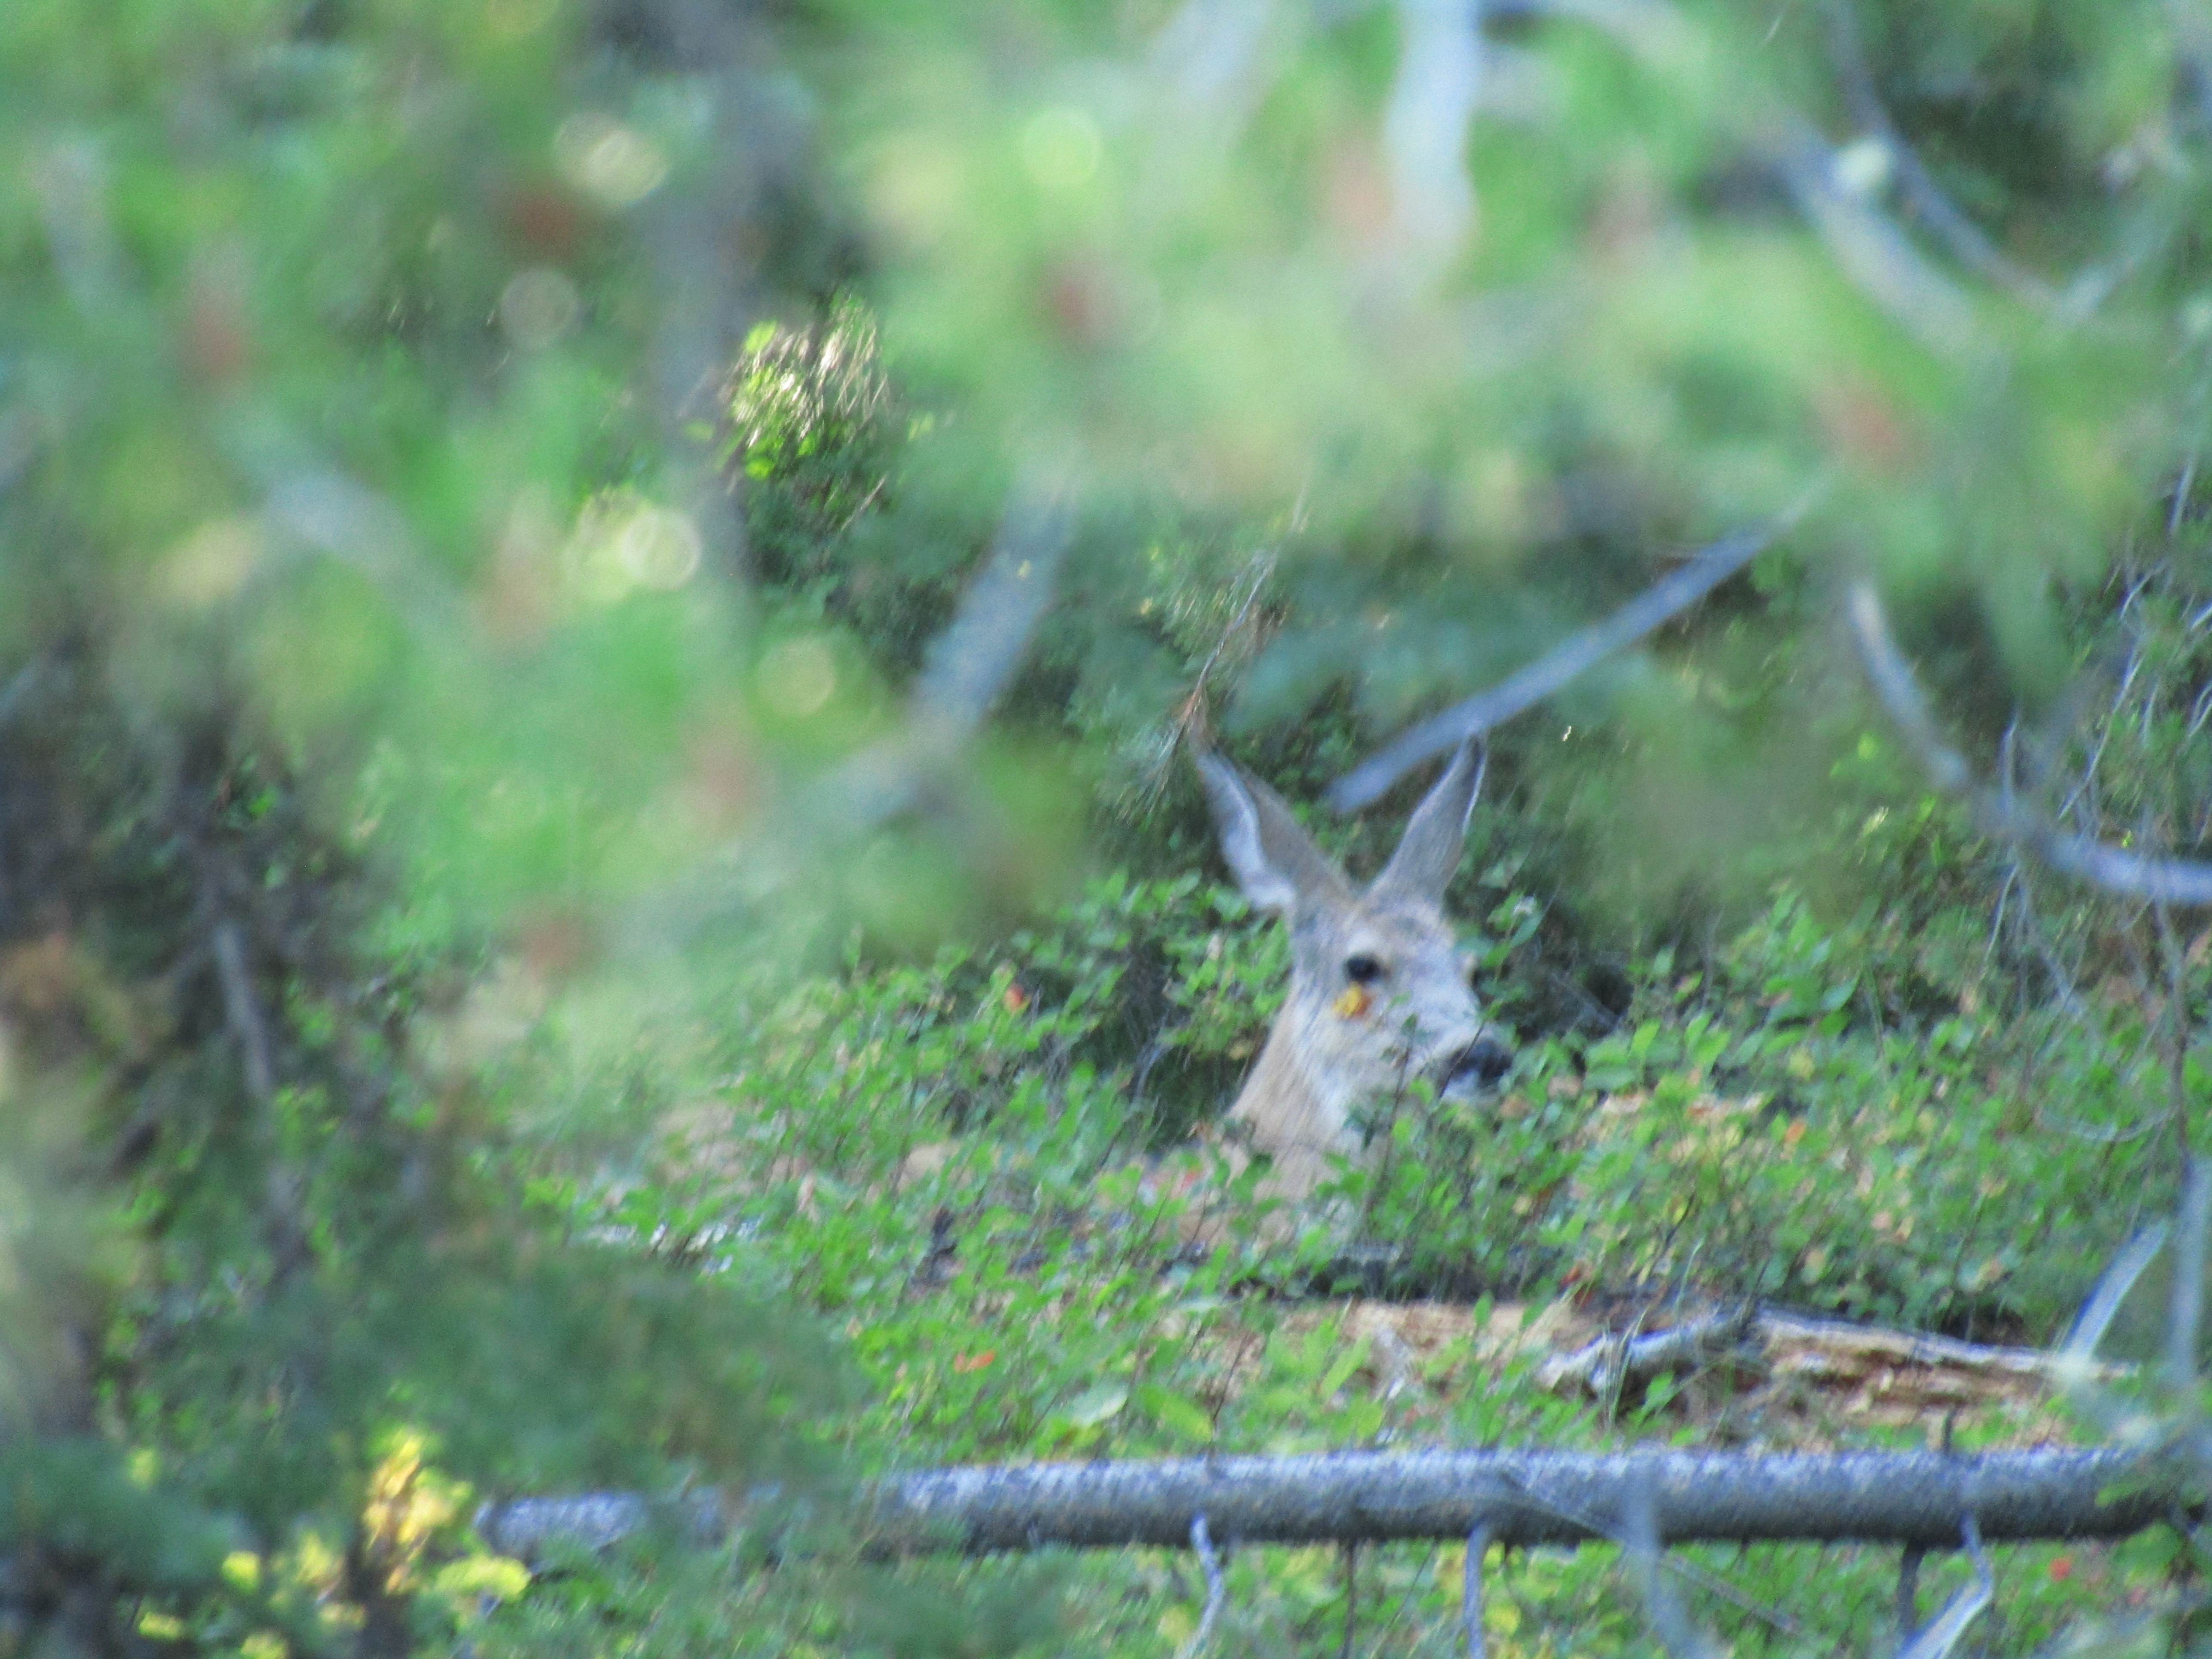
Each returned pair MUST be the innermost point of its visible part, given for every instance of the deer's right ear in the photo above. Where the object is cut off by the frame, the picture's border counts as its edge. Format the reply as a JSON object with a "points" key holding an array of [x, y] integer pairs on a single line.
{"points": [[1275, 861]]}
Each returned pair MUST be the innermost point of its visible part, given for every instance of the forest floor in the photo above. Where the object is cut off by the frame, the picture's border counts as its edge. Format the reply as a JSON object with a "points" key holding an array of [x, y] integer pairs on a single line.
{"points": [[981, 1174]]}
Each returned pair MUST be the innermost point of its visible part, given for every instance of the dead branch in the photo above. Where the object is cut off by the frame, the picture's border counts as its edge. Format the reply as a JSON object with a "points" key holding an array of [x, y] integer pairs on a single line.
{"points": [[533, 1528], [243, 1011], [965, 669], [1662, 1609], [1943, 1630], [1577, 653], [1967, 241], [2001, 815], [1874, 254], [1603, 1366], [1521, 1497], [1217, 1589], [1830, 1352], [1478, 1545], [1525, 1497]]}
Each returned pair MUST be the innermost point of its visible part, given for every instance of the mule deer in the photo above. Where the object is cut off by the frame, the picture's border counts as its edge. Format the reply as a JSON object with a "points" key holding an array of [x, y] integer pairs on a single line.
{"points": [[1378, 995]]}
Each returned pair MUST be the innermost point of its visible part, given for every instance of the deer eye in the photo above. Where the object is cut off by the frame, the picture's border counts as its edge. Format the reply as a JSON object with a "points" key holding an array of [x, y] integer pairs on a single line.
{"points": [[1362, 969]]}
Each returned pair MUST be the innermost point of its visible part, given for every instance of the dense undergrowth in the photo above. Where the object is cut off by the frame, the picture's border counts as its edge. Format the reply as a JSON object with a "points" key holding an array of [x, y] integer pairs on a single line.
{"points": [[960, 1165], [527, 961], [1917, 1082]]}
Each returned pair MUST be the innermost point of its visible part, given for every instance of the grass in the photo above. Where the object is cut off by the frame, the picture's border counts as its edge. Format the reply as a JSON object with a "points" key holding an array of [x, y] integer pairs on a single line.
{"points": [[953, 1166]]}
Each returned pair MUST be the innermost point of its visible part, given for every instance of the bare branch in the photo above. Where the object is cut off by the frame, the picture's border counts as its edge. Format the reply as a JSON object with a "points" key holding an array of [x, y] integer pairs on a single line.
{"points": [[1210, 58], [1478, 1545], [1945, 1629], [1874, 253], [530, 1528], [1908, 1593], [1433, 99], [2079, 1352], [2187, 1312], [1641, 1543], [1217, 1589], [2000, 815], [971, 662], [243, 1009], [1520, 1498], [1581, 652], [1602, 1367], [967, 667], [1925, 197]]}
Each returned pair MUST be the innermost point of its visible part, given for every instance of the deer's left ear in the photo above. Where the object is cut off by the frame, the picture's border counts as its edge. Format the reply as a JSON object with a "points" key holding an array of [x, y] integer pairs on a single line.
{"points": [[1427, 856], [1276, 862]]}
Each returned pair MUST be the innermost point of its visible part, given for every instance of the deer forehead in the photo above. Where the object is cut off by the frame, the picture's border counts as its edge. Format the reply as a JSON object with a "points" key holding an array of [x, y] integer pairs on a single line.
{"points": [[1397, 934]]}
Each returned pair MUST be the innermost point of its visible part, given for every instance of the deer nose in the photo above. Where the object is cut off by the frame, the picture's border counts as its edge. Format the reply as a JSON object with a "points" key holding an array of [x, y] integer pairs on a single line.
{"points": [[1481, 1063]]}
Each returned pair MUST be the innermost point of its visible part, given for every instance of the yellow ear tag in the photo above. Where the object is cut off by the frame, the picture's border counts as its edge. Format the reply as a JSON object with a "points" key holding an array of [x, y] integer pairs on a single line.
{"points": [[1356, 1001]]}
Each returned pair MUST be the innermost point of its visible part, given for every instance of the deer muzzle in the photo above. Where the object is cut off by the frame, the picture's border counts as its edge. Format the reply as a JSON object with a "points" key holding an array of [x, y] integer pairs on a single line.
{"points": [[1476, 1067]]}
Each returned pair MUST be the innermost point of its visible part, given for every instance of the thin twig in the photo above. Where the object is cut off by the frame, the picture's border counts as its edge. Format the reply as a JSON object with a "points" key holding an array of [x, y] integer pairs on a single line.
{"points": [[1945, 1629], [1478, 1544], [2176, 1019], [1937, 210], [1351, 1597], [1217, 1588], [2186, 1311], [1874, 254], [1908, 1594], [1642, 1544], [243, 1011], [2080, 1348], [1189, 723], [1407, 1598], [1708, 1581]]}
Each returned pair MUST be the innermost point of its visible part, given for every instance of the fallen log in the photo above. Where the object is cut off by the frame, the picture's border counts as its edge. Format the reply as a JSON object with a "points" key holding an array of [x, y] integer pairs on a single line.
{"points": [[1829, 1353], [1918, 1499], [1608, 1362]]}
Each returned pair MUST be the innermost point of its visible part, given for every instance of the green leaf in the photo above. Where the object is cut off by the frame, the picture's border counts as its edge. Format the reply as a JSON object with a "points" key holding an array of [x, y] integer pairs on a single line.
{"points": [[1095, 1405], [1179, 1414]]}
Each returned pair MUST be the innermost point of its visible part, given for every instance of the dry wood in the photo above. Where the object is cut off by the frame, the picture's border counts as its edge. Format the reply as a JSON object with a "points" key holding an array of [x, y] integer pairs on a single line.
{"points": [[1523, 1498], [1901, 1373]]}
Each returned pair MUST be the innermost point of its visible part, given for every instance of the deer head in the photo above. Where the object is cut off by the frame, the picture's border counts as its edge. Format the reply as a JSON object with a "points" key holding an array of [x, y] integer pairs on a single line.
{"points": [[1378, 993]]}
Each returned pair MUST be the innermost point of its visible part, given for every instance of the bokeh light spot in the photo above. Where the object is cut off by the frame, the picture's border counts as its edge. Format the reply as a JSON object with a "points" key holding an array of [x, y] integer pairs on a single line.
{"points": [[659, 547], [539, 307], [798, 676], [616, 165], [1062, 149], [213, 563]]}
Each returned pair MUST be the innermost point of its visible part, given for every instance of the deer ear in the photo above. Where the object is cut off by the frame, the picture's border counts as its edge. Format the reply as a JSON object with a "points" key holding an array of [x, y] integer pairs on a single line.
{"points": [[1275, 861], [1429, 853]]}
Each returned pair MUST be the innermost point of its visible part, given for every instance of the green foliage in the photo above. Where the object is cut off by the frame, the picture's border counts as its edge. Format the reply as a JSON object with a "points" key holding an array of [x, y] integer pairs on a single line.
{"points": [[354, 616], [479, 483]]}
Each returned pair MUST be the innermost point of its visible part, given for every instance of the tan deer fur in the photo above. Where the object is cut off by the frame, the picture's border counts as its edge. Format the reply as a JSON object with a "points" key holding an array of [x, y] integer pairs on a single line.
{"points": [[1379, 995]]}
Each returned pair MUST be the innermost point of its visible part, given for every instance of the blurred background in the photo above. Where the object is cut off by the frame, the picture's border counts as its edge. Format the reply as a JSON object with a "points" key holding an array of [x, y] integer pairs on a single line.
{"points": [[603, 606]]}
